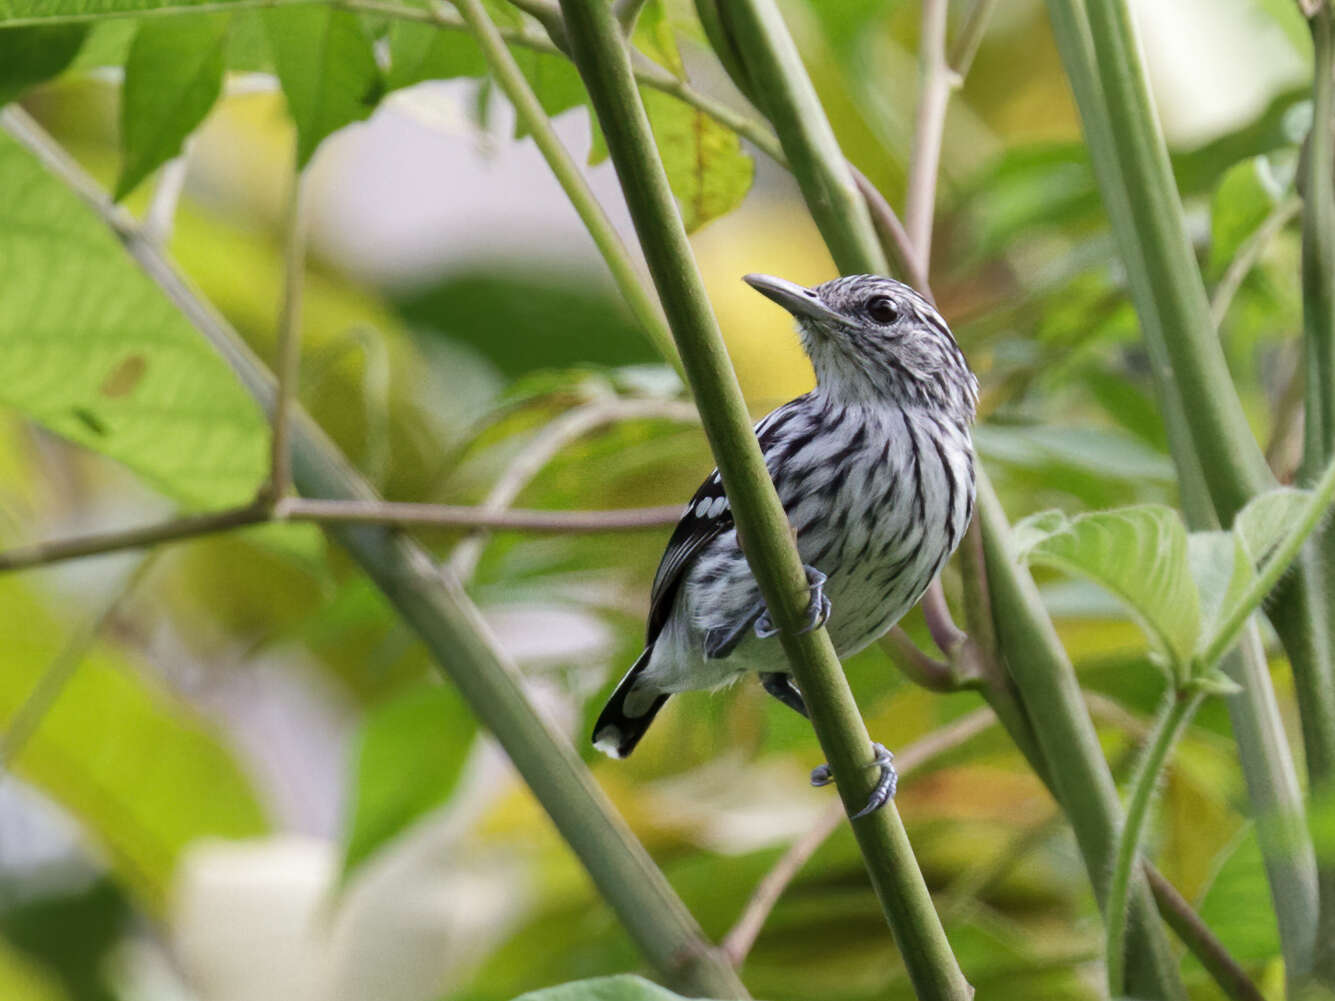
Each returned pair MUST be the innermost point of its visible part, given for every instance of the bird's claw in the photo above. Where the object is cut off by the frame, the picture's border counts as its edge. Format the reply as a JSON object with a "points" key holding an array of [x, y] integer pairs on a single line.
{"points": [[886, 785], [818, 608]]}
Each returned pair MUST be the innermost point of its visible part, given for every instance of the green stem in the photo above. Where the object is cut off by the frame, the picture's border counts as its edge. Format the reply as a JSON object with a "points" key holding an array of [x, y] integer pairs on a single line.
{"points": [[1080, 779], [604, 64], [1275, 568], [1318, 263], [563, 167], [790, 102], [1169, 726], [1179, 335], [433, 604]]}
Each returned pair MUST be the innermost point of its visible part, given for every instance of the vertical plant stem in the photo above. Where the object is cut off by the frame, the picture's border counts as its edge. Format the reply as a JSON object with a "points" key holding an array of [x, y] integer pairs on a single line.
{"points": [[789, 100], [1180, 338], [604, 64], [437, 608], [1318, 267], [567, 173], [288, 353], [934, 87], [1167, 729], [1079, 774]]}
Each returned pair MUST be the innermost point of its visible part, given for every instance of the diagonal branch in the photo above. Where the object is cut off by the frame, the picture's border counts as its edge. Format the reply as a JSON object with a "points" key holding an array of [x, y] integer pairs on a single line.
{"points": [[604, 64], [437, 608]]}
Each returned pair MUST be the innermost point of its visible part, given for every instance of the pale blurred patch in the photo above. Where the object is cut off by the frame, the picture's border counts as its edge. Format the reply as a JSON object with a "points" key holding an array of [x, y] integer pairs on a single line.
{"points": [[263, 920], [772, 237]]}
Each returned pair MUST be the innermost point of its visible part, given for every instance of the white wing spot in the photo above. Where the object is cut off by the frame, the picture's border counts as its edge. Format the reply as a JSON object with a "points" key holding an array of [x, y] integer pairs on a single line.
{"points": [[719, 506], [702, 508]]}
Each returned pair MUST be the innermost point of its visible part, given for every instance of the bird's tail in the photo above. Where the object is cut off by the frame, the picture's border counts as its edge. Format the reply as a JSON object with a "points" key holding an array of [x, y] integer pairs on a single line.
{"points": [[628, 712]]}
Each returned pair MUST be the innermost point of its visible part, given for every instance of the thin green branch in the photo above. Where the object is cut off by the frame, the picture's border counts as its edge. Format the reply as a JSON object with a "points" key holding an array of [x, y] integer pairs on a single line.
{"points": [[1173, 720], [790, 103], [970, 37], [436, 607], [23, 724], [1249, 253], [627, 13], [288, 352], [935, 82], [767, 537], [563, 167], [1318, 262], [1276, 566]]}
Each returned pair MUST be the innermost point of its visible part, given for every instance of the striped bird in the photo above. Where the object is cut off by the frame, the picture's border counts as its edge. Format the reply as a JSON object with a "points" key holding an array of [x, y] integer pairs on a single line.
{"points": [[875, 470]]}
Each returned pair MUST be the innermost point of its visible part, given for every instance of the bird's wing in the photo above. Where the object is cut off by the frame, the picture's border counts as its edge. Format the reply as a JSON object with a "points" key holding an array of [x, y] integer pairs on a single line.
{"points": [[707, 515]]}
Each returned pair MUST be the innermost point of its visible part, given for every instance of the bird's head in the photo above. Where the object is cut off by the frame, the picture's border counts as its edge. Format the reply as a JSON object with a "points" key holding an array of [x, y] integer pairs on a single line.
{"points": [[872, 338]]}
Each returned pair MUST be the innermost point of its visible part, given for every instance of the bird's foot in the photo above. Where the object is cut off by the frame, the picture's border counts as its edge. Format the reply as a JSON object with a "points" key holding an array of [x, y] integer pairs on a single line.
{"points": [[885, 785], [818, 608]]}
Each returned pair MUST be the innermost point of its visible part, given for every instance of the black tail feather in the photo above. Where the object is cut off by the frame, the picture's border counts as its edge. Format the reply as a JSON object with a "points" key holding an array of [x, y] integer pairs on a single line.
{"points": [[616, 733]]}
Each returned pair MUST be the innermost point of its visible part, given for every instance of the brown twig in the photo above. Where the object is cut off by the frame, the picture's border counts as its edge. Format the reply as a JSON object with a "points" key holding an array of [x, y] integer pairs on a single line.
{"points": [[300, 509], [545, 446], [739, 940], [447, 516], [98, 543]]}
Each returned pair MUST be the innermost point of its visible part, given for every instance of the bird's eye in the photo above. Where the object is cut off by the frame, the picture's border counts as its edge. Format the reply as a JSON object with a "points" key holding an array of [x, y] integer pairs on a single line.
{"points": [[882, 309]]}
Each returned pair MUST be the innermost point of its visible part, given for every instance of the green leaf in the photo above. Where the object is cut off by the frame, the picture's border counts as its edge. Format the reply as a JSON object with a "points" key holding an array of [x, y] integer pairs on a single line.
{"points": [[410, 752], [620, 988], [172, 78], [1224, 564], [142, 773], [1237, 906], [92, 349], [1138, 554], [654, 37], [326, 68], [33, 55], [420, 52], [706, 166], [1245, 196]]}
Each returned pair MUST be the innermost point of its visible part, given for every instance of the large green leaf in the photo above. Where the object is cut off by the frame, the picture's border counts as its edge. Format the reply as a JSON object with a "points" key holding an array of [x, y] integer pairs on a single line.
{"points": [[141, 772], [327, 70], [709, 172], [409, 754], [92, 349], [620, 988], [173, 77], [1137, 553], [32, 55]]}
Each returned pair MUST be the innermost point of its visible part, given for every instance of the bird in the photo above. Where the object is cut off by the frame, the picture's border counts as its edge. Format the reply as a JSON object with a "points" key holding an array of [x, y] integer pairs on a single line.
{"points": [[875, 471]]}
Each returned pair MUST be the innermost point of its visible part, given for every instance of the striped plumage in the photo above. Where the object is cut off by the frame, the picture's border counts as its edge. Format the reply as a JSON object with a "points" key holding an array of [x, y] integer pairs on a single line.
{"points": [[875, 470]]}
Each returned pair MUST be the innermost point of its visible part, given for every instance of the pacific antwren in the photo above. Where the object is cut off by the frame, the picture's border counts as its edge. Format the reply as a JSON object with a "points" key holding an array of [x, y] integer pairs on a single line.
{"points": [[875, 470]]}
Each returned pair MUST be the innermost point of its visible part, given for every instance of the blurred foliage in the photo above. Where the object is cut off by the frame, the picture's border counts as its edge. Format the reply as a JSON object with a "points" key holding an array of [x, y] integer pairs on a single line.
{"points": [[258, 683]]}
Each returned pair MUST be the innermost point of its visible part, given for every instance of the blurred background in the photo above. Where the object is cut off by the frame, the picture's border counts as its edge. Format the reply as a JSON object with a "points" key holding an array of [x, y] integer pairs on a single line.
{"points": [[232, 771]]}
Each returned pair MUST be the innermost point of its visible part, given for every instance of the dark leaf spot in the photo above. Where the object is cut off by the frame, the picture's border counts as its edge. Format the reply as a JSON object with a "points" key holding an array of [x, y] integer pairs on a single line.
{"points": [[122, 379]]}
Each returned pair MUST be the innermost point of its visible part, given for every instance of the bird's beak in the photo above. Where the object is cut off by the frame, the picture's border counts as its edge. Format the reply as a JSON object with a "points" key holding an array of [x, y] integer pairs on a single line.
{"points": [[803, 303]]}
